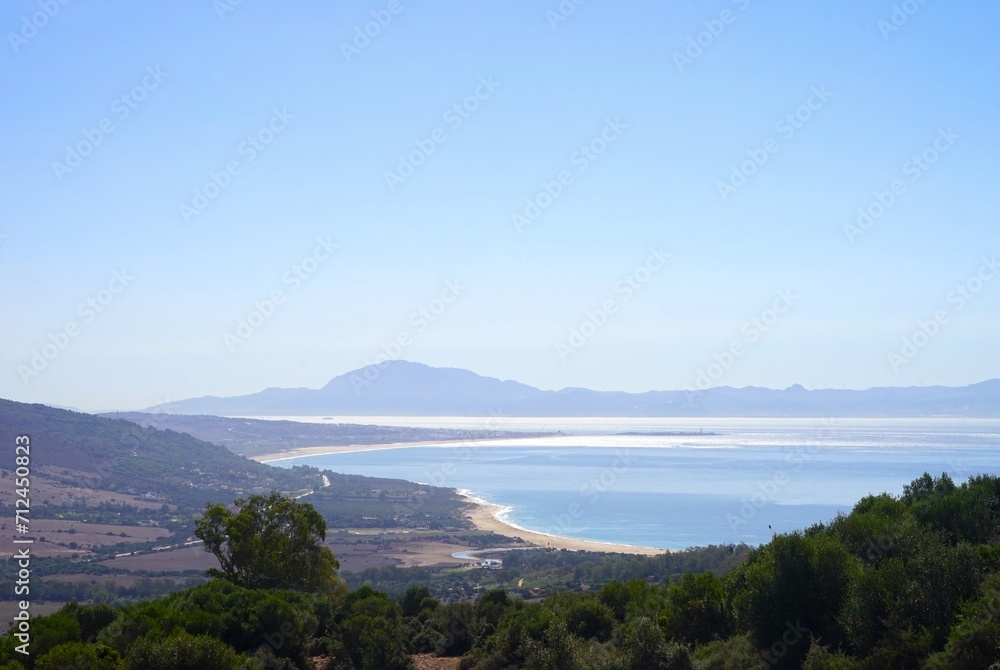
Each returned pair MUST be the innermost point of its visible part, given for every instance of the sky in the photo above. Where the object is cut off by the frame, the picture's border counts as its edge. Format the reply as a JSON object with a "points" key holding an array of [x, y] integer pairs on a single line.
{"points": [[212, 198]]}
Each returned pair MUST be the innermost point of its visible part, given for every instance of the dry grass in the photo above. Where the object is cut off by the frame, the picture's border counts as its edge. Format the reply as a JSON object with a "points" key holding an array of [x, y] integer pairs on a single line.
{"points": [[45, 489], [175, 560], [432, 662], [86, 536]]}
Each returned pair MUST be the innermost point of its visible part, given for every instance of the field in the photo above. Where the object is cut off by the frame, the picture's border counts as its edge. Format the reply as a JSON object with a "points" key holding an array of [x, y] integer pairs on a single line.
{"points": [[175, 560], [49, 486], [54, 537], [356, 550]]}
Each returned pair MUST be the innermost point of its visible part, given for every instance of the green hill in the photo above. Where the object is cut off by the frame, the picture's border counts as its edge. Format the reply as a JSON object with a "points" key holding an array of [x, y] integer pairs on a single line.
{"points": [[118, 455]]}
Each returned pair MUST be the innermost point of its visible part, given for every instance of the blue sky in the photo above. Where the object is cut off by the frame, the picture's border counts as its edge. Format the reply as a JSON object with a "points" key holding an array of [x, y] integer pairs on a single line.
{"points": [[631, 127]]}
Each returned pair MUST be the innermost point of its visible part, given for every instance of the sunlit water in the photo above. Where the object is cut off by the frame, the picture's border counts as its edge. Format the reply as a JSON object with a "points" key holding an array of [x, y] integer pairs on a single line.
{"points": [[680, 491]]}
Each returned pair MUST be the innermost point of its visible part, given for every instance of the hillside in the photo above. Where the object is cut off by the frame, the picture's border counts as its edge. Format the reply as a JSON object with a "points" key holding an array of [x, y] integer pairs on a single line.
{"points": [[908, 581], [113, 506], [118, 455], [82, 461], [255, 437], [402, 388]]}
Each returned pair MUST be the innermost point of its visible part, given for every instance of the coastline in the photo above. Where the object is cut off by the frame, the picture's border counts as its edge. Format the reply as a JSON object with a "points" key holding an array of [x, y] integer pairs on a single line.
{"points": [[301, 452], [488, 517], [484, 515]]}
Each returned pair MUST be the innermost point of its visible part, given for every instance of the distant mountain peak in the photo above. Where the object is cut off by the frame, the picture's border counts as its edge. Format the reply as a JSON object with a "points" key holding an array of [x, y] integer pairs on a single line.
{"points": [[407, 388]]}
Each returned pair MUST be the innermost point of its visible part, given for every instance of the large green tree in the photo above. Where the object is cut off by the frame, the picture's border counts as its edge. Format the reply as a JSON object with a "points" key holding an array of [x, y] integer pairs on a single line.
{"points": [[270, 542]]}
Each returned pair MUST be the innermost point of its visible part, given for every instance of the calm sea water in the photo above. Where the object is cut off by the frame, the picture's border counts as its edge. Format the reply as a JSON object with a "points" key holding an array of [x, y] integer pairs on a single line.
{"points": [[681, 491]]}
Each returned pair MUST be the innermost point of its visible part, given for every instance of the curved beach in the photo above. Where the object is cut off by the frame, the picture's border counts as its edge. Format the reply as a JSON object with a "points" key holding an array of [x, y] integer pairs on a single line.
{"points": [[488, 516], [485, 516]]}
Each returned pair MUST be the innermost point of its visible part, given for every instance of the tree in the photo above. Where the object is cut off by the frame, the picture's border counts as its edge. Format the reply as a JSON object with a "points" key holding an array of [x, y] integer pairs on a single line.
{"points": [[645, 648], [792, 587], [590, 620], [697, 611], [269, 542], [416, 599]]}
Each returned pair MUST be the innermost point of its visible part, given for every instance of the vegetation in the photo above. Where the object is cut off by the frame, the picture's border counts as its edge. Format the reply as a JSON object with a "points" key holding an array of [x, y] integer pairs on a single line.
{"points": [[106, 471], [908, 582], [269, 542], [540, 572], [184, 473], [118, 455], [354, 501]]}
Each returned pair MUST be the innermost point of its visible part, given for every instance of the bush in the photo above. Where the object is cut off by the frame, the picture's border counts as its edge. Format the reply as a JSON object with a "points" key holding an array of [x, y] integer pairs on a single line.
{"points": [[454, 624], [821, 658], [696, 609], [590, 620], [646, 648], [183, 651], [78, 655], [736, 653], [371, 646]]}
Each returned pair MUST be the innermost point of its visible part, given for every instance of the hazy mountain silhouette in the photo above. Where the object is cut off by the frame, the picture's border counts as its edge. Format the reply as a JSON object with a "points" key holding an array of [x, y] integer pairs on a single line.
{"points": [[413, 389]]}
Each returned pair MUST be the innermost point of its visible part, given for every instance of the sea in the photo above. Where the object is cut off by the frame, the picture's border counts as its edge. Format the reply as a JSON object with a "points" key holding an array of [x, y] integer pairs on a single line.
{"points": [[677, 483]]}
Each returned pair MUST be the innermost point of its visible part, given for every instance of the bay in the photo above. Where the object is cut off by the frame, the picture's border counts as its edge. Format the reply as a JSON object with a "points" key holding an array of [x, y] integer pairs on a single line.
{"points": [[724, 481]]}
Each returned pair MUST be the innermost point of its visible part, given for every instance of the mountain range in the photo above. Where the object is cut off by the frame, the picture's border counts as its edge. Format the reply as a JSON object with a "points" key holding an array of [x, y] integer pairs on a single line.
{"points": [[403, 388]]}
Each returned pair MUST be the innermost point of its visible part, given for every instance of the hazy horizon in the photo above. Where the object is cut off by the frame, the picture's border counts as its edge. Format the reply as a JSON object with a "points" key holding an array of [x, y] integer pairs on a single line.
{"points": [[216, 198], [97, 409]]}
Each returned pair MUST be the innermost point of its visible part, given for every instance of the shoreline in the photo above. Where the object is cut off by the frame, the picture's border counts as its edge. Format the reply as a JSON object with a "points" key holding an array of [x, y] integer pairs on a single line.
{"points": [[486, 516], [302, 452]]}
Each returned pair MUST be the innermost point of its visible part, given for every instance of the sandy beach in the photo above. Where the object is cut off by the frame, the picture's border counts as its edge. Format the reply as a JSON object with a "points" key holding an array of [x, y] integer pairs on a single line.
{"points": [[347, 448], [485, 516], [318, 451]]}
